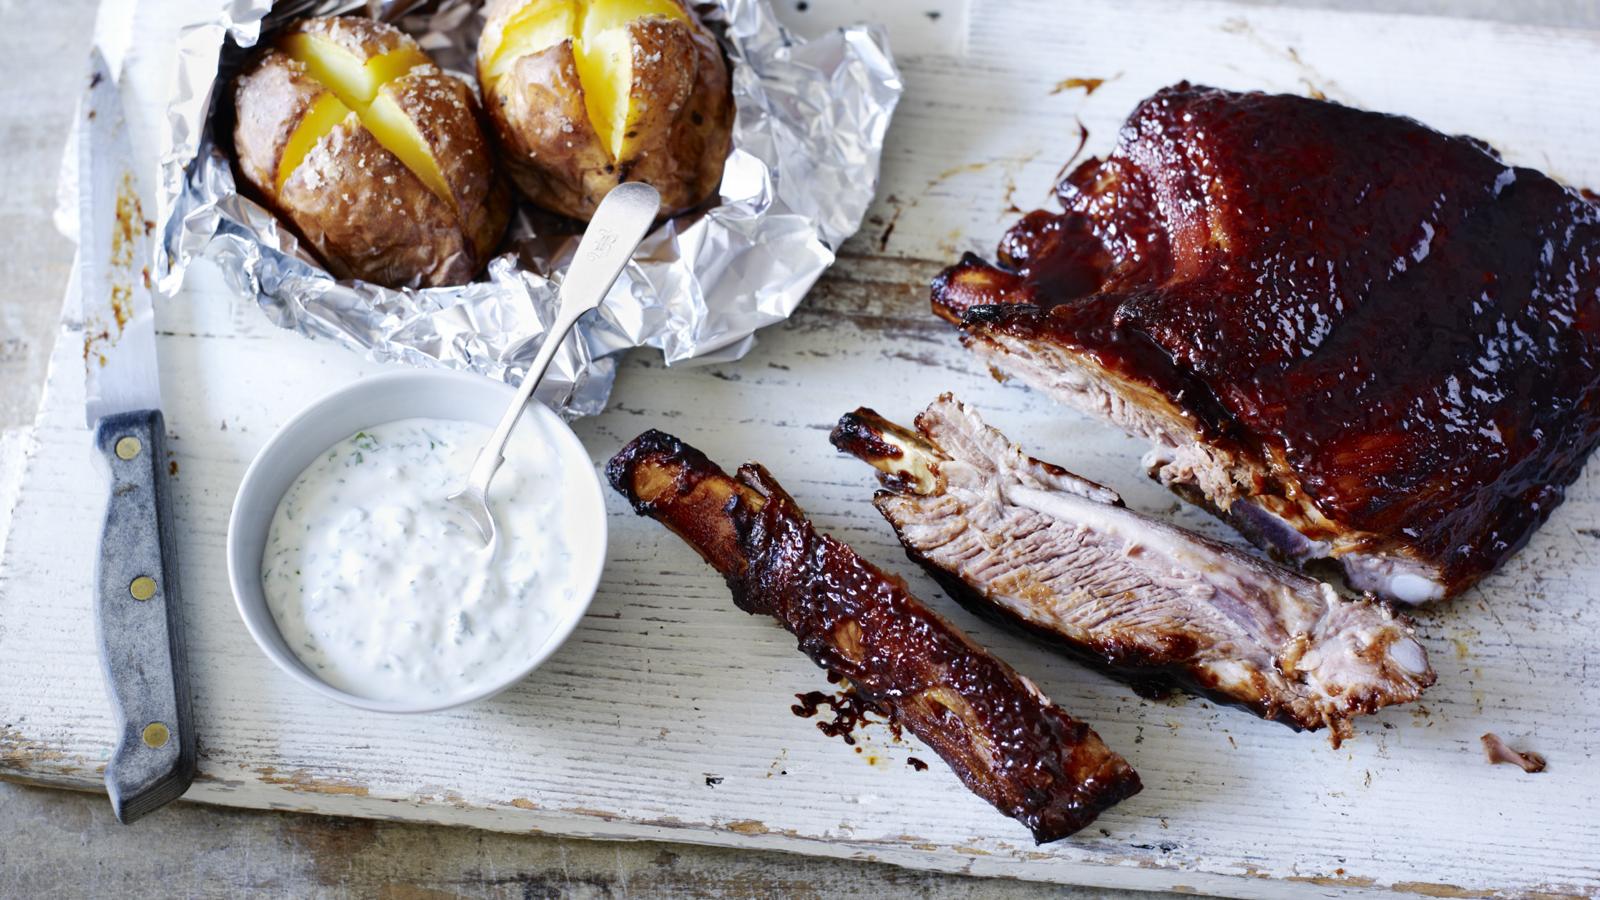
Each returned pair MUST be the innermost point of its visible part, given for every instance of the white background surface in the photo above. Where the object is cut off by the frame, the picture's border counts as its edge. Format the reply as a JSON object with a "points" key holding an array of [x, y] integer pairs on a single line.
{"points": [[993, 107]]}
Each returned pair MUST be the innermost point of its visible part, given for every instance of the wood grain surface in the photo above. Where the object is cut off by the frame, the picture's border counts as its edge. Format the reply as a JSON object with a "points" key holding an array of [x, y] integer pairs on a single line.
{"points": [[666, 715]]}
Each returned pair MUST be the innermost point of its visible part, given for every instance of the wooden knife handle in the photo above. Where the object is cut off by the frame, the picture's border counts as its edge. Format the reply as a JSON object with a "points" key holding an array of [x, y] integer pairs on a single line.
{"points": [[138, 619]]}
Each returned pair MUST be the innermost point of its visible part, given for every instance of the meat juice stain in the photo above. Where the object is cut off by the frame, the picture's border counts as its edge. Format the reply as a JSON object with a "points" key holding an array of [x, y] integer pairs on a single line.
{"points": [[1087, 85], [1083, 141]]}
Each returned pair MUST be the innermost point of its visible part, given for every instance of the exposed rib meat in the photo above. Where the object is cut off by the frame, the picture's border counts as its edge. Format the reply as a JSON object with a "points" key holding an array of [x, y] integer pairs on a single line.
{"points": [[1356, 337], [1030, 543], [1006, 741]]}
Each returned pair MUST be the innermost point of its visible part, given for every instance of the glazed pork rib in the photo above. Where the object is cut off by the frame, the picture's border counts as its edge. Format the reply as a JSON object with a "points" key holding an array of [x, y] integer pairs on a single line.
{"points": [[1029, 543], [1004, 739], [1354, 336]]}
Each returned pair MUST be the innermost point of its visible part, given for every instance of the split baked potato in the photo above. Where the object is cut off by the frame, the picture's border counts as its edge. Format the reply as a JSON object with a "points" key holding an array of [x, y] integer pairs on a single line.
{"points": [[376, 156], [586, 94]]}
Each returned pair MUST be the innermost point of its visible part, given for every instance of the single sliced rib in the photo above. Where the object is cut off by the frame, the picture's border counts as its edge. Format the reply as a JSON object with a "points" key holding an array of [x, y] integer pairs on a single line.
{"points": [[1004, 739], [1356, 337], [1031, 543]]}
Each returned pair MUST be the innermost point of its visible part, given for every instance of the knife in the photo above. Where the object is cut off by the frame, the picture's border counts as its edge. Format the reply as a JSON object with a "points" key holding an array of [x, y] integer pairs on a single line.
{"points": [[138, 612]]}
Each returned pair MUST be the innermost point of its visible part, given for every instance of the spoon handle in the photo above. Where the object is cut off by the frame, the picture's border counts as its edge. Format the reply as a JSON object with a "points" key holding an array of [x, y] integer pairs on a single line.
{"points": [[619, 224]]}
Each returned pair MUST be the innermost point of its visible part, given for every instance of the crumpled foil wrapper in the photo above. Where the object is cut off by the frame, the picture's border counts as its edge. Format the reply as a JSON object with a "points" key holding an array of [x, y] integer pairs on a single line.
{"points": [[808, 133]]}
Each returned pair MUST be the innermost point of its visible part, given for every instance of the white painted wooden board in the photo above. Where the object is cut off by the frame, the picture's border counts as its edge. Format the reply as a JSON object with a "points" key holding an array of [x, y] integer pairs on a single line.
{"points": [[666, 685]]}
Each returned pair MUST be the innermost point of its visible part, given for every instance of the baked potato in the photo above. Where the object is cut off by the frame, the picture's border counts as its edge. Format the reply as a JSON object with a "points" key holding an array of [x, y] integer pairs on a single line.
{"points": [[586, 94], [375, 155]]}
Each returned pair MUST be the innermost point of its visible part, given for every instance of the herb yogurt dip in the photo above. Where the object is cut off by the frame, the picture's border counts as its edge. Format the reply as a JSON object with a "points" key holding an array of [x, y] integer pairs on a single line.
{"points": [[385, 592]]}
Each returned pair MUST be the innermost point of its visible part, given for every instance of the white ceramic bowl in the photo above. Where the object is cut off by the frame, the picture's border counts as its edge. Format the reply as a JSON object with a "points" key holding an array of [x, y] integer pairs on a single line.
{"points": [[440, 394]]}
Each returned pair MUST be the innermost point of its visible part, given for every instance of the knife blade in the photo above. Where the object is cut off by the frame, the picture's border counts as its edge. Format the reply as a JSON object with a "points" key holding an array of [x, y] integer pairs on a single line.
{"points": [[138, 610]]}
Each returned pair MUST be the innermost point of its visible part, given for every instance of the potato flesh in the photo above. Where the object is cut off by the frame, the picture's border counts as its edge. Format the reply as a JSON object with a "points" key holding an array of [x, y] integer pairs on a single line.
{"points": [[605, 69], [342, 72], [399, 135], [531, 29], [359, 86], [602, 49], [326, 112]]}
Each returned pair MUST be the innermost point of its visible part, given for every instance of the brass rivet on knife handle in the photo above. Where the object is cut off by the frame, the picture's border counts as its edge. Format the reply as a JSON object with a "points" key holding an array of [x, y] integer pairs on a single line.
{"points": [[142, 588], [128, 448], [156, 735], [139, 622]]}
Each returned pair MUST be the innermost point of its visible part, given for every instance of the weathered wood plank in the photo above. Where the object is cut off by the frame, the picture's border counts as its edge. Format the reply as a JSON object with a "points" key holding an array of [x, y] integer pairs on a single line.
{"points": [[667, 685]]}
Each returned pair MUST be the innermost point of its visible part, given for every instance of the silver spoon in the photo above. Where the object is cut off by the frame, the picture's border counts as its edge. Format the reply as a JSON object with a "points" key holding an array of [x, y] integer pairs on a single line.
{"points": [[618, 225]]}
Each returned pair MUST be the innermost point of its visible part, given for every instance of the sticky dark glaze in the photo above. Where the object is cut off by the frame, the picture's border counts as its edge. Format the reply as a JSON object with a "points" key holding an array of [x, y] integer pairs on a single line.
{"points": [[850, 711], [853, 434], [1406, 322], [1007, 743]]}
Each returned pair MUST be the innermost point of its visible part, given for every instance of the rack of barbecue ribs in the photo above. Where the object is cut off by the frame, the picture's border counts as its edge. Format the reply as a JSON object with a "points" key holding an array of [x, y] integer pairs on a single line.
{"points": [[1004, 739], [1353, 336], [1033, 545]]}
